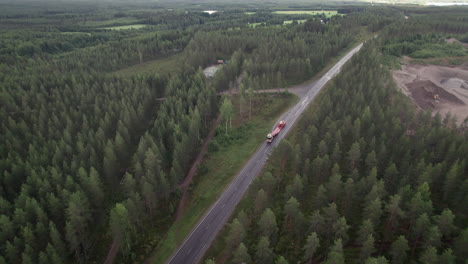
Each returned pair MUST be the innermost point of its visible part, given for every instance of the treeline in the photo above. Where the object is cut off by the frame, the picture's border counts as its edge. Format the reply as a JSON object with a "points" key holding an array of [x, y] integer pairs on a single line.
{"points": [[365, 179], [425, 35], [274, 56]]}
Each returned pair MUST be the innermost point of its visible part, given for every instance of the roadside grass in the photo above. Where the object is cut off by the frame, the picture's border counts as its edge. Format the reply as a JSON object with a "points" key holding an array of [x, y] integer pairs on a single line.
{"points": [[327, 13], [136, 26], [222, 162], [161, 66]]}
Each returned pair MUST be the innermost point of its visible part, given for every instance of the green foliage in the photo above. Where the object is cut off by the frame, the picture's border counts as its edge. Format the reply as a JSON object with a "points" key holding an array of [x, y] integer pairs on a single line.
{"points": [[361, 177]]}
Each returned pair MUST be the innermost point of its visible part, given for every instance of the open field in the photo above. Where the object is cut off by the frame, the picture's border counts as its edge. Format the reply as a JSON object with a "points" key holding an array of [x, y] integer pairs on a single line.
{"points": [[286, 22], [328, 13], [225, 157], [112, 22], [137, 26]]}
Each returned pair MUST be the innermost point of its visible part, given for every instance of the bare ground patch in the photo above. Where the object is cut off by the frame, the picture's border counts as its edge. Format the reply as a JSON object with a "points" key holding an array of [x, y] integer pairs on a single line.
{"points": [[440, 89]]}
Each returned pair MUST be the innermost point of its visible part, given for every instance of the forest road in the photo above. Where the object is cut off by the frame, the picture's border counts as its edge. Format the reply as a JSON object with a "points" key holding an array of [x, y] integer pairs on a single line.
{"points": [[200, 238]]}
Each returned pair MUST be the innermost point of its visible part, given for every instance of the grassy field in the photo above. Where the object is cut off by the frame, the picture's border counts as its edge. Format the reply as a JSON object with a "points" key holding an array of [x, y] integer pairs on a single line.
{"points": [[327, 13], [222, 163], [76, 33], [162, 66], [253, 25], [286, 22], [112, 22], [136, 26]]}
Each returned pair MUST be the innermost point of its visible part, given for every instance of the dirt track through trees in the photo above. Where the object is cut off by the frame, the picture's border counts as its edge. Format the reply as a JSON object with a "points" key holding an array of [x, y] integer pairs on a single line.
{"points": [[188, 178]]}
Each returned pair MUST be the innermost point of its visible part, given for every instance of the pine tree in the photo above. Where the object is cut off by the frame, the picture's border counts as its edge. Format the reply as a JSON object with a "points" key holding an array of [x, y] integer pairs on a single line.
{"points": [[366, 229], [281, 260], [260, 202], [429, 256], [398, 250], [312, 243], [317, 223], [236, 235], [373, 211], [354, 155], [340, 229], [367, 248], [264, 254], [210, 261], [461, 244], [241, 255], [378, 260], [445, 222], [335, 256], [121, 228], [77, 225], [447, 257], [267, 224], [432, 237]]}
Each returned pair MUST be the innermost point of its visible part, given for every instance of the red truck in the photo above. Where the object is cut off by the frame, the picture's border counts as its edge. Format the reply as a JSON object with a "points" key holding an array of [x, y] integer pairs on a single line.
{"points": [[275, 132]]}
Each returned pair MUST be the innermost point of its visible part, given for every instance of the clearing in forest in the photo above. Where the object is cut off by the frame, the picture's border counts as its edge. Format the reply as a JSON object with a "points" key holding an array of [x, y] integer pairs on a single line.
{"points": [[441, 89], [328, 13], [137, 26]]}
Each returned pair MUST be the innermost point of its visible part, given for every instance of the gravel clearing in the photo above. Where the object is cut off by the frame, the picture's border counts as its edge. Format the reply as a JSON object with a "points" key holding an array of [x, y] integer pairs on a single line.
{"points": [[439, 89]]}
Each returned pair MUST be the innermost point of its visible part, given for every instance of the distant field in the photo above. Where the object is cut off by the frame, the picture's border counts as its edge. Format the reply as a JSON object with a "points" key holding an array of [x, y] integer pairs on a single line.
{"points": [[113, 22], [250, 13], [137, 26], [253, 25], [286, 22], [76, 33], [327, 13]]}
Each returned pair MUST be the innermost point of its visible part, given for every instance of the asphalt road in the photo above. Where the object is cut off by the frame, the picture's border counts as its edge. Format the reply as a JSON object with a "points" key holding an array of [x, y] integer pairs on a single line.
{"points": [[199, 240]]}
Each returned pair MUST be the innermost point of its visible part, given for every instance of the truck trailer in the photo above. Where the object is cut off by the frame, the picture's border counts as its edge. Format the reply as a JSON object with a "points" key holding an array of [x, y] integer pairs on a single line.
{"points": [[275, 132]]}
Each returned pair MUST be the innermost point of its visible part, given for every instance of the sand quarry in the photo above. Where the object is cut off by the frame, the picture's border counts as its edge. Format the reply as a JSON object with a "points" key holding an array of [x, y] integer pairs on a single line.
{"points": [[440, 89]]}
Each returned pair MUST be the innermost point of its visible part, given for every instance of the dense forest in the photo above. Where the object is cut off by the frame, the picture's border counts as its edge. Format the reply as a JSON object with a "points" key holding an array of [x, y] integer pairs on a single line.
{"points": [[365, 177], [89, 157]]}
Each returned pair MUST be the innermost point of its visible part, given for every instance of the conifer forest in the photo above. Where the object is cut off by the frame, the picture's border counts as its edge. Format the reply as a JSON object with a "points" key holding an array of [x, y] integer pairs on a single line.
{"points": [[106, 105]]}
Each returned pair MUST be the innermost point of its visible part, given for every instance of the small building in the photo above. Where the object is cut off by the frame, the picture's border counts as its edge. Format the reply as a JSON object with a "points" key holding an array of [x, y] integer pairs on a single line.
{"points": [[220, 61]]}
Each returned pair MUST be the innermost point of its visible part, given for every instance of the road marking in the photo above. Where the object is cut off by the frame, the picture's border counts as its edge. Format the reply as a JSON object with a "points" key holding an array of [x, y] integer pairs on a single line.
{"points": [[223, 206], [188, 252]]}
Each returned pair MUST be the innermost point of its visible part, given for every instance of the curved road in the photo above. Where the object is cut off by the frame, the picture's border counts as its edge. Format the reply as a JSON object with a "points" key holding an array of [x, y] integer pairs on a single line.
{"points": [[199, 240]]}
